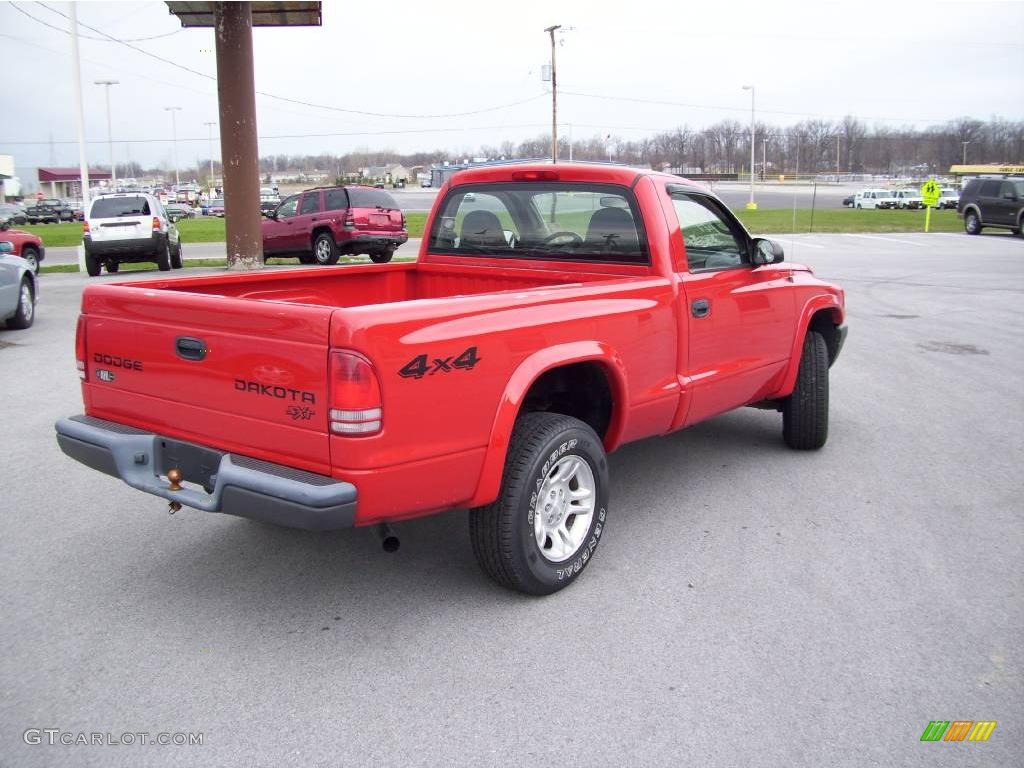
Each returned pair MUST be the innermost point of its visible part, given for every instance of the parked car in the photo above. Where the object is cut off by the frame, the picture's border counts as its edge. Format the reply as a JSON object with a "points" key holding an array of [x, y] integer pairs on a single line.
{"points": [[77, 212], [24, 245], [49, 210], [215, 207], [178, 211], [494, 374], [13, 214], [948, 198], [848, 201], [128, 228], [321, 224], [874, 198], [426, 182], [19, 289], [268, 206], [908, 198], [992, 203]]}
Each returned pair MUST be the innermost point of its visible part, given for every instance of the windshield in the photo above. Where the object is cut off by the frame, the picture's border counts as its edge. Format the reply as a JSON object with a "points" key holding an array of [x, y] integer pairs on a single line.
{"points": [[562, 221]]}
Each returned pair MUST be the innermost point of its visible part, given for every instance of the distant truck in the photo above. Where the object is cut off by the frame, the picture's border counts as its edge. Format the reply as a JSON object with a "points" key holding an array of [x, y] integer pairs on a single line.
{"points": [[554, 315], [49, 210]]}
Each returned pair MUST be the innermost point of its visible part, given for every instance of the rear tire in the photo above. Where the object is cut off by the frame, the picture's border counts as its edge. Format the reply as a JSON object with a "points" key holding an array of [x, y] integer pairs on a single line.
{"points": [[542, 530], [113, 266], [26, 307], [382, 257], [31, 255], [92, 265], [972, 224], [176, 262], [163, 258], [325, 252], [805, 412]]}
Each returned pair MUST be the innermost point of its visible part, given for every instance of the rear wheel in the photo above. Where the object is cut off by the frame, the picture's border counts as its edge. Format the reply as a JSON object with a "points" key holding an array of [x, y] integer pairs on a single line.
{"points": [[382, 257], [805, 412], [92, 265], [176, 262], [26, 307], [325, 252], [113, 266], [163, 258], [542, 530], [31, 255], [972, 224]]}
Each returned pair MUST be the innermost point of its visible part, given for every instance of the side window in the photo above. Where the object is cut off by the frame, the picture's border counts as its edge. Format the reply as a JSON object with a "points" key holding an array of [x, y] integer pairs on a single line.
{"points": [[989, 189], [1007, 191], [310, 203], [335, 200], [710, 241], [288, 207]]}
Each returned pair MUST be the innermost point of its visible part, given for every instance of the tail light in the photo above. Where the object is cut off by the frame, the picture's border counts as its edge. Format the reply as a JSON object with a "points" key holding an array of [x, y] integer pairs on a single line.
{"points": [[535, 175], [403, 219], [356, 407], [156, 223], [80, 348], [85, 227]]}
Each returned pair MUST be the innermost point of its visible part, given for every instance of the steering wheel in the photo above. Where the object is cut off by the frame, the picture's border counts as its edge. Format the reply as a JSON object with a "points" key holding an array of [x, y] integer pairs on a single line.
{"points": [[570, 238]]}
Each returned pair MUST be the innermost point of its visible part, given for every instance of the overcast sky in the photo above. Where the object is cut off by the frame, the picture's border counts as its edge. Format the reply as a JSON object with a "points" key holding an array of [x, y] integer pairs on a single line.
{"points": [[887, 62]]}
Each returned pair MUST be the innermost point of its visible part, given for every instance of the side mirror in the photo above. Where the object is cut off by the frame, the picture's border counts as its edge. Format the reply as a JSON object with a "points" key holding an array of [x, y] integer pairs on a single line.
{"points": [[6, 247], [766, 252]]}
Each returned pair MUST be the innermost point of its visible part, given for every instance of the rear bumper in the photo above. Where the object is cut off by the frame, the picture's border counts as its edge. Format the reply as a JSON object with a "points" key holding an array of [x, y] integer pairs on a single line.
{"points": [[381, 240], [231, 484], [138, 246]]}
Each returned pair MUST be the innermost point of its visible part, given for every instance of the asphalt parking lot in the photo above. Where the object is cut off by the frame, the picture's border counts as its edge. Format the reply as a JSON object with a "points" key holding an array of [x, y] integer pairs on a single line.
{"points": [[749, 605]]}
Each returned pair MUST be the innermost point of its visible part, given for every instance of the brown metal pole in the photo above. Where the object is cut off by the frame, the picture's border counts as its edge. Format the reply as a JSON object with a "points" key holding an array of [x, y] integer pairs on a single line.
{"points": [[236, 92]]}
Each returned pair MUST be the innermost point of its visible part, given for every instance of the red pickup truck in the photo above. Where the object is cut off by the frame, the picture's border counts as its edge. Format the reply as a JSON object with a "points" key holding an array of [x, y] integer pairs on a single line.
{"points": [[555, 313]]}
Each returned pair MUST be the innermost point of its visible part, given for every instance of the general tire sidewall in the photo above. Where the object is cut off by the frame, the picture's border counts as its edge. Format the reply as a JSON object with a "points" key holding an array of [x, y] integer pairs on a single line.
{"points": [[584, 445]]}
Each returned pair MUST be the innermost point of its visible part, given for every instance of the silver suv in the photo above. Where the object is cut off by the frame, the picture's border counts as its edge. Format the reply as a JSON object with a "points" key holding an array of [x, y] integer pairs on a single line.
{"points": [[129, 227]]}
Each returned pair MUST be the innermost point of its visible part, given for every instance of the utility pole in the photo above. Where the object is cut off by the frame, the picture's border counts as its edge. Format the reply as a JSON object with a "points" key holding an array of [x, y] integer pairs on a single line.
{"points": [[554, 95], [751, 205], [174, 136], [83, 164], [965, 143], [209, 128], [838, 139], [764, 158], [110, 134]]}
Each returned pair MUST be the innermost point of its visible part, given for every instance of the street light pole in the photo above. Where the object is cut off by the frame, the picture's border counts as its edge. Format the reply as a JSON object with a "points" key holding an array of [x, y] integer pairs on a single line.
{"points": [[751, 205], [554, 95], [174, 136], [209, 127], [110, 134]]}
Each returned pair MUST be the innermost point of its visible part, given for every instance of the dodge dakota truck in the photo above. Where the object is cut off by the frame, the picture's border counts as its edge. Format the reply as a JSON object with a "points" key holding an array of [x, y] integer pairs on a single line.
{"points": [[554, 313]]}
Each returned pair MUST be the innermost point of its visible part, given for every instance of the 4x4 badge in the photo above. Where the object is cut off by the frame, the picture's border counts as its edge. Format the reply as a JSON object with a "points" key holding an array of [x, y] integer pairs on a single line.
{"points": [[105, 375]]}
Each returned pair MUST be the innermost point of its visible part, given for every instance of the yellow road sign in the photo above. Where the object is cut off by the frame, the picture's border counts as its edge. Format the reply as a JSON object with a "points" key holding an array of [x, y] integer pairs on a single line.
{"points": [[930, 192]]}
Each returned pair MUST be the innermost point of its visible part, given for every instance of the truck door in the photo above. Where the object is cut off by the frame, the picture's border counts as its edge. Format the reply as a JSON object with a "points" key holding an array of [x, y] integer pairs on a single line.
{"points": [[739, 319], [301, 235]]}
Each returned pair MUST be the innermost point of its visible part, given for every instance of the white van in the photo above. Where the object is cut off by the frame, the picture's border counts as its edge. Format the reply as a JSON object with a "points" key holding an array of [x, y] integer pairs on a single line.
{"points": [[874, 198]]}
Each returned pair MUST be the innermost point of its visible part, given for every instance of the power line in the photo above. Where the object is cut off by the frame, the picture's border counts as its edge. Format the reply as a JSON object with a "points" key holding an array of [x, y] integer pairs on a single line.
{"points": [[87, 37], [286, 99]]}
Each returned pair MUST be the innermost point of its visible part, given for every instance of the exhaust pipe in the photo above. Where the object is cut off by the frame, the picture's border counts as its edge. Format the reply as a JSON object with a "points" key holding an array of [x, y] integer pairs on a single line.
{"points": [[388, 539]]}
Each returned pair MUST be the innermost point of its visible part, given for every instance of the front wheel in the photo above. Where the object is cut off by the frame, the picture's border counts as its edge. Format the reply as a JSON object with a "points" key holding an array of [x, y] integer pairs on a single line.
{"points": [[325, 252], [805, 412], [31, 255], [113, 267], [382, 257], [972, 224], [541, 532], [26, 311]]}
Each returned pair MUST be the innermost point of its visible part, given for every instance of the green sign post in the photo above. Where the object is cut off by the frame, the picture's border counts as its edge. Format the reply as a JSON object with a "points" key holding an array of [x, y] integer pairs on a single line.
{"points": [[930, 193]]}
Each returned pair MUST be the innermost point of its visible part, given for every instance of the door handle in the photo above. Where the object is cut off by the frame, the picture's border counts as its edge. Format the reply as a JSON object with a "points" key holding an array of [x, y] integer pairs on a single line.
{"points": [[700, 308], [189, 348]]}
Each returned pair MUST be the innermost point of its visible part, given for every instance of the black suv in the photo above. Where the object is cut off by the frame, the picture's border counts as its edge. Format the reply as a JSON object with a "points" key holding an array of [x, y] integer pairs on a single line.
{"points": [[992, 203]]}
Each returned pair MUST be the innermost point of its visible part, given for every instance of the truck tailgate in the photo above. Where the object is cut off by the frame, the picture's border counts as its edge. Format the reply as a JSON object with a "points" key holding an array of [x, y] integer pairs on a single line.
{"points": [[244, 376]]}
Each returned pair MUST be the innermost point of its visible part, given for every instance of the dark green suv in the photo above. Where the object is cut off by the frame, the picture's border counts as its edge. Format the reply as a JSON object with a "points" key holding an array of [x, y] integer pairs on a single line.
{"points": [[992, 203]]}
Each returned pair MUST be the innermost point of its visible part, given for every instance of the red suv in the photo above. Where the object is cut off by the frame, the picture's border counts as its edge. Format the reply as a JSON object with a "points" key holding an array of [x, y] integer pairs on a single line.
{"points": [[319, 225]]}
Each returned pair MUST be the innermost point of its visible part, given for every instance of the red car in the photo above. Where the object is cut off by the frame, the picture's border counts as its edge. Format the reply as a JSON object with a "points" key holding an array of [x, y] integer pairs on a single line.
{"points": [[26, 245], [555, 313], [319, 225]]}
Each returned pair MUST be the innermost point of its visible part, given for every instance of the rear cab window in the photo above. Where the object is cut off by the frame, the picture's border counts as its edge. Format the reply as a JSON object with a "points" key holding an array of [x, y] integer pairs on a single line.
{"points": [[560, 221], [118, 207]]}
